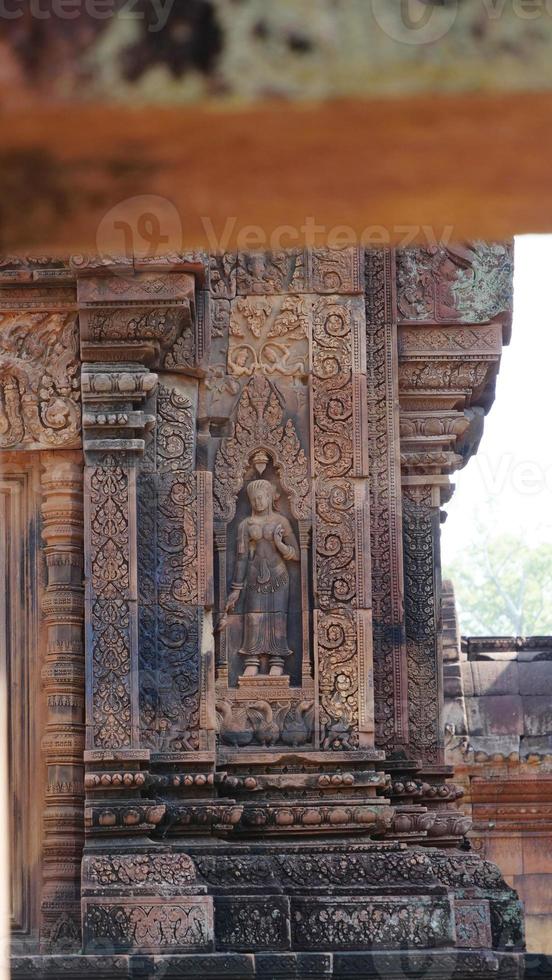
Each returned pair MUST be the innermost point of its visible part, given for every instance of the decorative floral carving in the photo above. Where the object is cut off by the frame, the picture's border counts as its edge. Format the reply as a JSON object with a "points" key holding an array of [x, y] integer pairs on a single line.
{"points": [[338, 679], [267, 272], [252, 923], [137, 870], [222, 275], [443, 376], [259, 425], [160, 926], [171, 582], [110, 606], [327, 923], [269, 335]]}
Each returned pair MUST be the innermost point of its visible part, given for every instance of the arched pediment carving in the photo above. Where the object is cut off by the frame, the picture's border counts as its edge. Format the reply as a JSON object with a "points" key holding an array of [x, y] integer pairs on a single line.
{"points": [[259, 427]]}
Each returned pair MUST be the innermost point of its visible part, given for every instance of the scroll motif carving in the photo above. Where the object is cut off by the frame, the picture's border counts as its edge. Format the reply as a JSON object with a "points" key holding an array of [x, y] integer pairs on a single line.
{"points": [[260, 425], [39, 380], [342, 590], [174, 582], [110, 583], [336, 270], [336, 579], [336, 639], [385, 505], [332, 390]]}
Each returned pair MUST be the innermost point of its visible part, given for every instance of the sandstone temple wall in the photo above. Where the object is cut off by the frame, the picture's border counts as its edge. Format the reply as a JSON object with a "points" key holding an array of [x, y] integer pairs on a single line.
{"points": [[222, 479]]}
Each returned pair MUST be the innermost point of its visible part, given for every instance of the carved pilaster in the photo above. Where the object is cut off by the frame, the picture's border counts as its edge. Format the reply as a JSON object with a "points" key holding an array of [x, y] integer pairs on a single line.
{"points": [[111, 448], [149, 587], [63, 680], [342, 587], [422, 615], [383, 440]]}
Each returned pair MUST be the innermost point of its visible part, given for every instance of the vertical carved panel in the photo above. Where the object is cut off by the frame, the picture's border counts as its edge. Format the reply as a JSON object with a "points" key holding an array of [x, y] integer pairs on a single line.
{"points": [[421, 529], [112, 599], [63, 677], [341, 536], [390, 680], [175, 549]]}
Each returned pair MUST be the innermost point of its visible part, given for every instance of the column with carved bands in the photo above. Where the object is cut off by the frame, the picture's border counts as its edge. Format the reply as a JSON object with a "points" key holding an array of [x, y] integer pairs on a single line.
{"points": [[453, 308], [63, 681], [148, 545]]}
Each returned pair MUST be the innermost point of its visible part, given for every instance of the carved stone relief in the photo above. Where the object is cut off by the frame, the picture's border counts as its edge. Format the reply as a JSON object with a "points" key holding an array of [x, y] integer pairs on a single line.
{"points": [[175, 582], [271, 441], [466, 283], [39, 380], [269, 336]]}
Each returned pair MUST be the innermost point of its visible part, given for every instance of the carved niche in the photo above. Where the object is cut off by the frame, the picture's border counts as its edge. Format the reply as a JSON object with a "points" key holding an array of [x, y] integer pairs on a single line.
{"points": [[262, 514]]}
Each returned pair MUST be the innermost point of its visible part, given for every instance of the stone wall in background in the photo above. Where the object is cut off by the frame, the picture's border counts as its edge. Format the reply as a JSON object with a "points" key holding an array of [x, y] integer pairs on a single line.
{"points": [[499, 738], [190, 50]]}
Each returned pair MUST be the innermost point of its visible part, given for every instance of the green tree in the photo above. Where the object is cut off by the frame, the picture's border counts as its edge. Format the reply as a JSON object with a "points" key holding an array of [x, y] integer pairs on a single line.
{"points": [[503, 587]]}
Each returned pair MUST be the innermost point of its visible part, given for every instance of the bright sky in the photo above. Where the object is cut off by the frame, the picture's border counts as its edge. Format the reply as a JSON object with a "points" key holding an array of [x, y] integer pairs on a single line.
{"points": [[509, 482]]}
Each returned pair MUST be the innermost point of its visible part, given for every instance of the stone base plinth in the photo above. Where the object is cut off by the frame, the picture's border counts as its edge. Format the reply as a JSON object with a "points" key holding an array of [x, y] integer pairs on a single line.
{"points": [[446, 964], [335, 907]]}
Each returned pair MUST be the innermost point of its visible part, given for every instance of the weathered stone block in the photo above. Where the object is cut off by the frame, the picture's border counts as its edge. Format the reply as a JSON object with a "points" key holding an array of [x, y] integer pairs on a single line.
{"points": [[491, 678], [535, 678], [495, 715], [371, 923], [252, 923], [537, 714], [148, 924]]}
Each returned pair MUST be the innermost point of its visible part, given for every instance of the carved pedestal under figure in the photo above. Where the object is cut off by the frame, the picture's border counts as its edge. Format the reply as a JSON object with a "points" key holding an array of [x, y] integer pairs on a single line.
{"points": [[267, 442]]}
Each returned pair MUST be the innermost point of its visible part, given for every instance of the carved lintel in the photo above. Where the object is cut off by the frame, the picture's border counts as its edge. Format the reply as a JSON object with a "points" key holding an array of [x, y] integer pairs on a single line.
{"points": [[156, 313]]}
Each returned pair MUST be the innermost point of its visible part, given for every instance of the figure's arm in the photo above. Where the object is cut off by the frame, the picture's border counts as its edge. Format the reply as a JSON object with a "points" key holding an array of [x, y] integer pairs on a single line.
{"points": [[286, 542], [240, 569]]}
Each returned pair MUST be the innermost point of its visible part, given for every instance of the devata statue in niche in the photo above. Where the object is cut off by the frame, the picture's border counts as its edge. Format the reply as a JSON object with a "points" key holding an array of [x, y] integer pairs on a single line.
{"points": [[265, 543]]}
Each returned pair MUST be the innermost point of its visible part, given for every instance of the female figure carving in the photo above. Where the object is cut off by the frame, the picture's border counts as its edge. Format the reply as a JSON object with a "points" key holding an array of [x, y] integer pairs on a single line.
{"points": [[265, 544]]}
